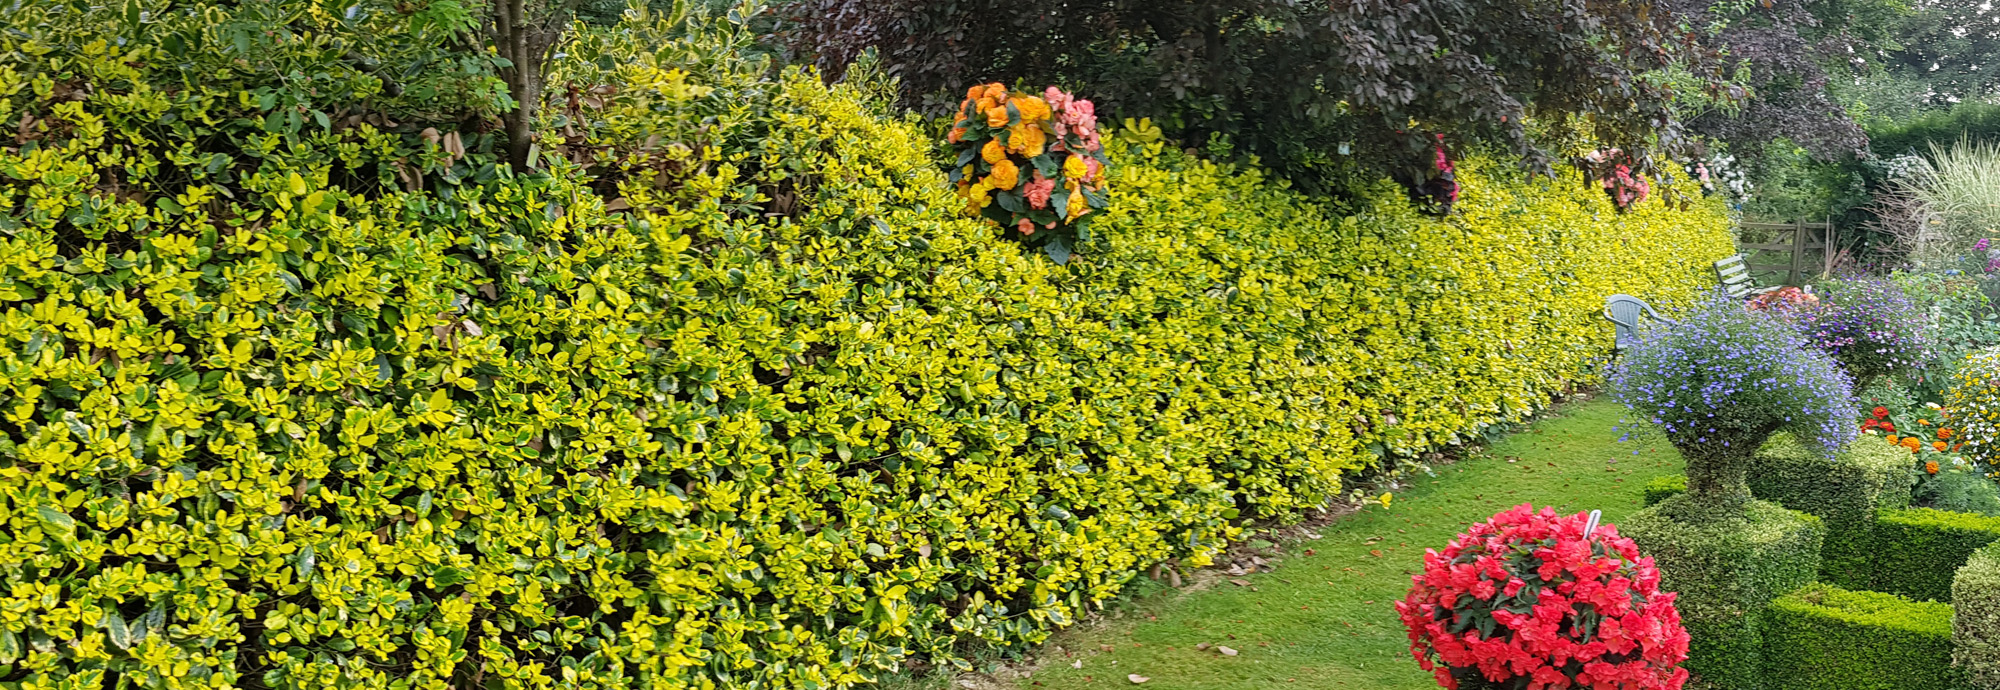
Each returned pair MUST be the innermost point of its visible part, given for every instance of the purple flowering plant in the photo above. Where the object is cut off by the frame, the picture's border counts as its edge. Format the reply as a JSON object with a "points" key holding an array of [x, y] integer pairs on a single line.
{"points": [[1870, 327], [1725, 379]]}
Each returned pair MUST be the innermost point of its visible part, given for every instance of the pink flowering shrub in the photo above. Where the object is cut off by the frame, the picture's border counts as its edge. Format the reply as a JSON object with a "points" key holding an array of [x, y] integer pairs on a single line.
{"points": [[1526, 595], [1614, 169]]}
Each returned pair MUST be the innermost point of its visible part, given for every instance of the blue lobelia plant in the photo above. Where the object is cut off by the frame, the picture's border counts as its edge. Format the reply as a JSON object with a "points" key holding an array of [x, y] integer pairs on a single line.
{"points": [[1722, 382]]}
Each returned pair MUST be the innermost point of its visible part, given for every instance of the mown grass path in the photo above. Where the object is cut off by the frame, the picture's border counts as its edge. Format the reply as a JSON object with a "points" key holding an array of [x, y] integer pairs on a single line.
{"points": [[1324, 619]]}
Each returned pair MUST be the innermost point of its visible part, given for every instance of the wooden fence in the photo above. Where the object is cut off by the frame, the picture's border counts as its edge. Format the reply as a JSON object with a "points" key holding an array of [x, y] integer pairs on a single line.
{"points": [[1786, 253]]}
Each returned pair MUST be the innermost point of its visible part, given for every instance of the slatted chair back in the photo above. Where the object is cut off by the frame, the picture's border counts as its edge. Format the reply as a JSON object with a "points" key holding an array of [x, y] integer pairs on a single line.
{"points": [[1734, 275]]}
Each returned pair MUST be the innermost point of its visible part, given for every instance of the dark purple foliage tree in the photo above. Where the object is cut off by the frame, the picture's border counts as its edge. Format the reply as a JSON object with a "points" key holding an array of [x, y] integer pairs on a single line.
{"points": [[1317, 90], [1787, 52]]}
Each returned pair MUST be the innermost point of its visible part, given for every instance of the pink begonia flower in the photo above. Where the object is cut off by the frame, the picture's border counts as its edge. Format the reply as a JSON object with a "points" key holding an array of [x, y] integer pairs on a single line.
{"points": [[1038, 191], [1027, 227], [1056, 98], [1080, 112], [1093, 166]]}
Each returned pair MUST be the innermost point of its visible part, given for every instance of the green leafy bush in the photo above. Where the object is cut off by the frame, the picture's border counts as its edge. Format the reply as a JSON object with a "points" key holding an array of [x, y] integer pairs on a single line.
{"points": [[1845, 491], [1664, 487], [1918, 550], [1822, 637], [725, 395], [1975, 600], [1726, 571], [1957, 487]]}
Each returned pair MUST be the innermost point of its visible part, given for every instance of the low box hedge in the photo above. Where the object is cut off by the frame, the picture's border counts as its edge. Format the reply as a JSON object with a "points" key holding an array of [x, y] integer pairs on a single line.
{"points": [[1726, 572], [1975, 633], [1822, 637], [1845, 489], [1918, 551]]}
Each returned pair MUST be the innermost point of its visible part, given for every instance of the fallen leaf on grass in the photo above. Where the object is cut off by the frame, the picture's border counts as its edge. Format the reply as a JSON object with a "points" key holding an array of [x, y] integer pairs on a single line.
{"points": [[1136, 678], [1203, 647], [1079, 662], [1375, 552], [1226, 651], [1240, 583]]}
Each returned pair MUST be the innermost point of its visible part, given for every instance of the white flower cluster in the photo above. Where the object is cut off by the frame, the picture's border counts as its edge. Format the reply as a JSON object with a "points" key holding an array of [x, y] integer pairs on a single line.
{"points": [[1720, 173], [1904, 167]]}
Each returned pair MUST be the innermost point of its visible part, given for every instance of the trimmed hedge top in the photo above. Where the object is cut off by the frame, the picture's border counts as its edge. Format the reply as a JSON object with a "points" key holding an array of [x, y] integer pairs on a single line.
{"points": [[1975, 592], [1826, 638], [1873, 609], [1918, 551], [344, 407]]}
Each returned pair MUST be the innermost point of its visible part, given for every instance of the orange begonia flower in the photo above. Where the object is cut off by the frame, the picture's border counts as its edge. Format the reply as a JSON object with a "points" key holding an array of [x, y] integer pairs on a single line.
{"points": [[993, 152], [1026, 139], [996, 116], [1032, 109], [1004, 176], [975, 92], [1074, 168]]}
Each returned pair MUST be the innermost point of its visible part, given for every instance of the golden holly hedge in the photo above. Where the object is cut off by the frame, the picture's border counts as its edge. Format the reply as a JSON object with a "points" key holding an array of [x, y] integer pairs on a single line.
{"points": [[752, 406]]}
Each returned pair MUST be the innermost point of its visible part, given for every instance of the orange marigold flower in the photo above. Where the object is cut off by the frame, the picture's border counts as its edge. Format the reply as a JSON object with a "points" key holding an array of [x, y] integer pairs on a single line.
{"points": [[1892, 440], [996, 116], [1004, 176], [1939, 446], [1931, 467], [1924, 422], [1912, 443], [1944, 432], [993, 152]]}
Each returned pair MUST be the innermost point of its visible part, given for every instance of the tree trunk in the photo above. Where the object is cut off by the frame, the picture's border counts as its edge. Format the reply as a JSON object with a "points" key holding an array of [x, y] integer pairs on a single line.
{"points": [[525, 41]]}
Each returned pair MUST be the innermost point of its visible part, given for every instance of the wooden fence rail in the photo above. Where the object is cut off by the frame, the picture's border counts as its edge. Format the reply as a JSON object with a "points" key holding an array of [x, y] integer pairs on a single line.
{"points": [[1794, 240]]}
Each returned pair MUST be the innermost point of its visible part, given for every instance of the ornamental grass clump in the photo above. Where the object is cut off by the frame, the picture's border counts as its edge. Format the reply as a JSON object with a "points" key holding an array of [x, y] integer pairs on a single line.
{"points": [[1870, 327], [1535, 600], [1722, 382]]}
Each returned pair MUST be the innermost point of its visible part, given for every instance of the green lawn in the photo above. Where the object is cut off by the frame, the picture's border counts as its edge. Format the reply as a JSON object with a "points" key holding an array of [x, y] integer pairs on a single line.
{"points": [[1325, 619]]}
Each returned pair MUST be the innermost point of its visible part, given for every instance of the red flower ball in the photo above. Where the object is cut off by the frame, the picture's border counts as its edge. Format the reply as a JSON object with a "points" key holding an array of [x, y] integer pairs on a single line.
{"points": [[1528, 595]]}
